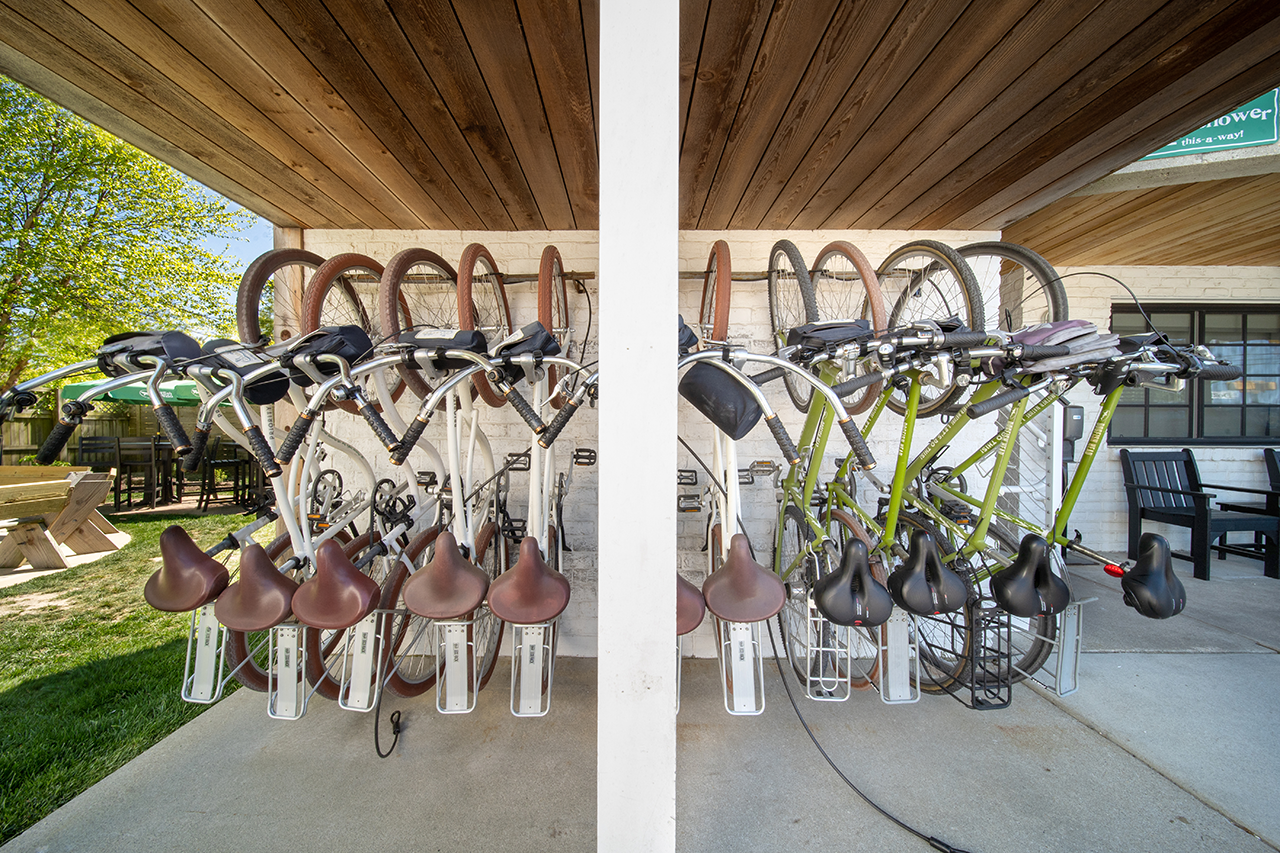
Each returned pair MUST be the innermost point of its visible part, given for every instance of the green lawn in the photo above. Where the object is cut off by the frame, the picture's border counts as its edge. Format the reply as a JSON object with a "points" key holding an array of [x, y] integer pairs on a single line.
{"points": [[89, 672]]}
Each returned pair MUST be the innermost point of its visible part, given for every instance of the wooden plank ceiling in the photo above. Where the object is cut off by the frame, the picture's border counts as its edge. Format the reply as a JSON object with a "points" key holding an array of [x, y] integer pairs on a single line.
{"points": [[482, 114]]}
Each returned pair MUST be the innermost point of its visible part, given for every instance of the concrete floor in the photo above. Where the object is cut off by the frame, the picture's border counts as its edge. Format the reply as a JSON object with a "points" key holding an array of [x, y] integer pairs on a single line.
{"points": [[1171, 744]]}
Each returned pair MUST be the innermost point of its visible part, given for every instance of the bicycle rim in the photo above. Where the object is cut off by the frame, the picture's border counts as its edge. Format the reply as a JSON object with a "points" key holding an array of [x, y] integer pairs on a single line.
{"points": [[409, 638], [418, 290], [791, 304], [846, 288], [553, 311], [482, 305], [1020, 287], [717, 282], [864, 643], [258, 320], [492, 555]]}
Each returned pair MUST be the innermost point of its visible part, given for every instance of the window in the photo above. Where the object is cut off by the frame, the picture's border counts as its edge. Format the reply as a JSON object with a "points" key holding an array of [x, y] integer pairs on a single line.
{"points": [[1245, 411]]}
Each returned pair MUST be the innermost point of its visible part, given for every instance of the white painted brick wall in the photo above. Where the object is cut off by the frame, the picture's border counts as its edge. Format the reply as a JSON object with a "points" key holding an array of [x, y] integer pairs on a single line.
{"points": [[1102, 514]]}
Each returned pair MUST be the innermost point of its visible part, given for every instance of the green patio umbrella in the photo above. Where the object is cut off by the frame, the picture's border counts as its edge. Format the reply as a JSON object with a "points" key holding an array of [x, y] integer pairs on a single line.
{"points": [[175, 392]]}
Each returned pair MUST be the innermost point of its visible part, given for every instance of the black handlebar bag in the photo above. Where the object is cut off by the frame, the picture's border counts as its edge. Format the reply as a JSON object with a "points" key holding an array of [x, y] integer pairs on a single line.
{"points": [[724, 401], [170, 347], [235, 357], [350, 343]]}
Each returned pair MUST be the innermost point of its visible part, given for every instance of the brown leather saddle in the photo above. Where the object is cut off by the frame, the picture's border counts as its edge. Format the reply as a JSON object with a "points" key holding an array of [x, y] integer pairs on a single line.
{"points": [[448, 587], [531, 591], [690, 606], [187, 578], [338, 595], [742, 590], [260, 598]]}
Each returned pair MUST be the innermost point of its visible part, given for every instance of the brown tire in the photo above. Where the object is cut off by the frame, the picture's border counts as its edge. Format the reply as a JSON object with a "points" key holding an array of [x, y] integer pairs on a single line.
{"points": [[253, 284], [482, 304], [553, 310], [419, 290], [717, 282], [846, 287]]}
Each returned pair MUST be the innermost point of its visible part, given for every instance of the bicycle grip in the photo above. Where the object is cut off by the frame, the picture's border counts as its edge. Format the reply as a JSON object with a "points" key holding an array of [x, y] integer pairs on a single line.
{"points": [[379, 426], [57, 440], [411, 436], [262, 450], [1219, 372], [769, 375], [964, 339], [191, 461], [785, 444], [851, 432], [847, 387], [996, 401], [521, 405], [1033, 352], [293, 440], [173, 430], [561, 419]]}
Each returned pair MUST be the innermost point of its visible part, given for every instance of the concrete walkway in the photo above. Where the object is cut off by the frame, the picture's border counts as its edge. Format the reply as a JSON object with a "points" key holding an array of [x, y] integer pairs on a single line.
{"points": [[1171, 744]]}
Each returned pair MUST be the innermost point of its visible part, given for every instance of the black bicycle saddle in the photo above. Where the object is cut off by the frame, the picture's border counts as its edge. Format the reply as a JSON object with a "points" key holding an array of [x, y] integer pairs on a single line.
{"points": [[1151, 587], [922, 585], [1029, 587], [851, 595]]}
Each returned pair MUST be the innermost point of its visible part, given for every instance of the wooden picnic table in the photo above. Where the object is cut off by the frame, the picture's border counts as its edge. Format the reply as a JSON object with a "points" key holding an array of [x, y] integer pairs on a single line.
{"points": [[44, 508]]}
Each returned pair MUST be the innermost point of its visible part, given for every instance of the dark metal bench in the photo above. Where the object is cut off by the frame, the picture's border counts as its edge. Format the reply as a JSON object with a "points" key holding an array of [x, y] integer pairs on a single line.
{"points": [[1165, 486]]}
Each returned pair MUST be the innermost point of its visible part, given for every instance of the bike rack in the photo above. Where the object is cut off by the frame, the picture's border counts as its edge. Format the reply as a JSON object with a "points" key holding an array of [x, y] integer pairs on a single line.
{"points": [[1064, 659], [363, 663], [741, 666], [827, 644], [899, 676], [985, 643], [287, 695], [202, 680], [533, 668], [456, 677]]}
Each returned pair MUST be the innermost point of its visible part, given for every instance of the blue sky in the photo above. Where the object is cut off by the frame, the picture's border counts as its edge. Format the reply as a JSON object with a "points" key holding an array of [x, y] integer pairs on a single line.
{"points": [[246, 245]]}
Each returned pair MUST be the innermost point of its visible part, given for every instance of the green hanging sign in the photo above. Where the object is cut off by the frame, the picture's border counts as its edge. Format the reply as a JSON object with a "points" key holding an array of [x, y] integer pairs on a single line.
{"points": [[1252, 124]]}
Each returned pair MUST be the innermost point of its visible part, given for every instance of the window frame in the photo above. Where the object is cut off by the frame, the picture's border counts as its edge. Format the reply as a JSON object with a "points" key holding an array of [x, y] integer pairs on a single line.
{"points": [[1195, 389]]}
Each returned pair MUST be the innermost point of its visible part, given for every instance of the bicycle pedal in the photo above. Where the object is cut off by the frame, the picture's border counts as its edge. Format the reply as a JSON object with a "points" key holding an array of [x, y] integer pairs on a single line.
{"points": [[584, 457], [746, 477], [426, 479], [517, 528], [686, 477], [689, 503], [518, 461]]}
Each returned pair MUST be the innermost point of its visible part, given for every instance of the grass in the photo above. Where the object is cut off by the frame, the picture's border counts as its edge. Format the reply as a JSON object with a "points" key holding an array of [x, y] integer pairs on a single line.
{"points": [[89, 672]]}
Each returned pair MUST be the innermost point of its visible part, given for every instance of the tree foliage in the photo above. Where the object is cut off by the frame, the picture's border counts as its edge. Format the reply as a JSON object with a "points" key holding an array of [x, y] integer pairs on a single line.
{"points": [[96, 238]]}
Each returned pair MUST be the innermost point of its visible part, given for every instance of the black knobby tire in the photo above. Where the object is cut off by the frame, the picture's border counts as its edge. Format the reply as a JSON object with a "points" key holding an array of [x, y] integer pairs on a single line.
{"points": [[253, 289], [1029, 290], [791, 303], [928, 280]]}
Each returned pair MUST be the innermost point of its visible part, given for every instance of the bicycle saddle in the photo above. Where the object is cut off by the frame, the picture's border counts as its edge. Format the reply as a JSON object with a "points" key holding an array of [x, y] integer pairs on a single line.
{"points": [[448, 587], [851, 595], [531, 591], [1151, 587], [338, 595], [260, 598], [1029, 587], [690, 606], [187, 578], [741, 590], [922, 585]]}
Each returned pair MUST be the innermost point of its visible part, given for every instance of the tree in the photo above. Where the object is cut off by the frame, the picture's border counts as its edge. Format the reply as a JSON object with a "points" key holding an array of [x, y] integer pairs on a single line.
{"points": [[96, 238]]}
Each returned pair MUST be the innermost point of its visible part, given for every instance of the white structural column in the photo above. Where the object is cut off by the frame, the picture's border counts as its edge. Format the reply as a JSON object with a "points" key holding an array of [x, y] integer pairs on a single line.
{"points": [[639, 244]]}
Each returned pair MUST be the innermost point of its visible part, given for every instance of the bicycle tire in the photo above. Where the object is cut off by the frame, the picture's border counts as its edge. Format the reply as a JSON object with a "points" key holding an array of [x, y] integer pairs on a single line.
{"points": [[249, 648], [492, 555], [418, 290], [788, 277], [253, 287], [836, 268], [484, 308], [928, 280], [333, 299], [793, 619], [1027, 288], [864, 643], [414, 674], [717, 285], [943, 668], [553, 312], [1032, 638]]}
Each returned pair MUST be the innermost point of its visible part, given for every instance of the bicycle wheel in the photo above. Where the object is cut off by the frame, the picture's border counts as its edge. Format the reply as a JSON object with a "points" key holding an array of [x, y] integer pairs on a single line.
{"points": [[553, 311], [864, 643], [258, 321], [791, 303], [717, 282], [945, 638], [408, 638], [418, 290], [793, 619], [846, 288], [482, 304], [336, 297], [927, 280], [246, 651], [1020, 287]]}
